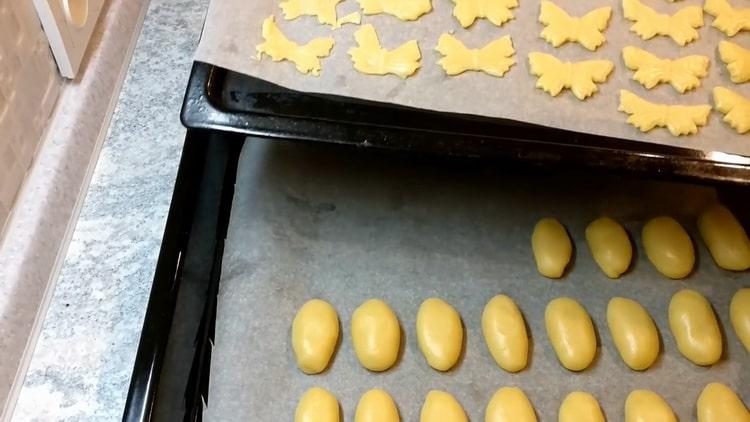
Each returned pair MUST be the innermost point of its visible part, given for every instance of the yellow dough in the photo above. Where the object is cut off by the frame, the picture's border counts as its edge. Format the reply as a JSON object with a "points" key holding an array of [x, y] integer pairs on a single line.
{"points": [[679, 119], [729, 20], [324, 10], [439, 333], [317, 405], [580, 77], [633, 332], [376, 335], [561, 27], [369, 57], [571, 333], [376, 406], [579, 406], [305, 57], [509, 404], [494, 59], [718, 403], [647, 406], [496, 11], [739, 312], [440, 406], [735, 107], [610, 246], [648, 23], [725, 238], [737, 60], [315, 332], [505, 333], [683, 74], [407, 10], [552, 247], [694, 327], [668, 247]]}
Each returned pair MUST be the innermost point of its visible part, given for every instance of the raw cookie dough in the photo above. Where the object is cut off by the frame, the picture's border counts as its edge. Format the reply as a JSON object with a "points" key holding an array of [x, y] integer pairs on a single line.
{"points": [[579, 406], [440, 406], [739, 313], [695, 328], [305, 57], [561, 27], [496, 11], [571, 333], [735, 107], [729, 20], [315, 332], [552, 247], [317, 405], [505, 333], [324, 10], [668, 247], [725, 238], [683, 74], [633, 332], [610, 246], [494, 58], [647, 406], [440, 333], [369, 57], [407, 10], [376, 335], [580, 77], [718, 403], [737, 60], [376, 405], [648, 23], [679, 119], [509, 404]]}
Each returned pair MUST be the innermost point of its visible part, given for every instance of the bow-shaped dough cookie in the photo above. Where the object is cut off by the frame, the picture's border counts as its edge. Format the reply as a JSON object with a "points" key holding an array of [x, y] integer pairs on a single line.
{"points": [[495, 58], [648, 23], [279, 47], [369, 57], [561, 27], [735, 107], [407, 10], [729, 20], [580, 77], [496, 11], [679, 119], [737, 60], [683, 74]]}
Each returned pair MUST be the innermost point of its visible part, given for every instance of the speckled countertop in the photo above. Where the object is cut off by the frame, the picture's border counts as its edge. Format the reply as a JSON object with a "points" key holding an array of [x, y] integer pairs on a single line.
{"points": [[81, 367]]}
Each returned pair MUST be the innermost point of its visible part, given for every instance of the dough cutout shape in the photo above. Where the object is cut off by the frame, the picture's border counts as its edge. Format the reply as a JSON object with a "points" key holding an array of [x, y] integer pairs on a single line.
{"points": [[683, 74], [718, 403], [679, 119], [509, 404], [580, 77], [406, 10], [695, 328], [370, 58], [561, 27], [317, 404], [728, 19], [496, 11], [633, 332], [324, 10], [645, 405], [440, 333], [552, 247], [505, 333], [494, 59], [376, 335], [739, 312], [735, 107], [306, 57], [737, 60], [376, 405], [668, 246], [725, 238], [571, 333], [315, 332], [580, 406], [681, 26], [610, 245], [440, 406]]}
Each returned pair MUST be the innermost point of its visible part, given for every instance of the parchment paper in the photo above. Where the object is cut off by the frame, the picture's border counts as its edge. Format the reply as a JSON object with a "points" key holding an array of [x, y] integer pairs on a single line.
{"points": [[233, 29], [346, 227]]}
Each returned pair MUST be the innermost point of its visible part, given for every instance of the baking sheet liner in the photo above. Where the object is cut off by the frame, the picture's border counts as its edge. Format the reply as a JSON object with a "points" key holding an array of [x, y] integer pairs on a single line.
{"points": [[346, 227]]}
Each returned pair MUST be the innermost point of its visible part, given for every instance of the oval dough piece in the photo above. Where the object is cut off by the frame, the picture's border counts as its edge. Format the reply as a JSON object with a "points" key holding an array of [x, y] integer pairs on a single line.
{"points": [[552, 247], [317, 405], [718, 403], [509, 404], [725, 238], [440, 406], [633, 332], [315, 332], [647, 406], [739, 312], [571, 333], [610, 246], [376, 335], [579, 406], [505, 333], [694, 327], [439, 333], [668, 247], [376, 406]]}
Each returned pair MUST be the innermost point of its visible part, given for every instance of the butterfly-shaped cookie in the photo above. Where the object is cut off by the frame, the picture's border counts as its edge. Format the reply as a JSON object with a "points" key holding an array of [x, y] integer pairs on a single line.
{"points": [[561, 27], [495, 58], [683, 74], [324, 10], [679, 119], [279, 47], [648, 23], [729, 20], [407, 10], [580, 77], [369, 57], [496, 11], [737, 60], [735, 107]]}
